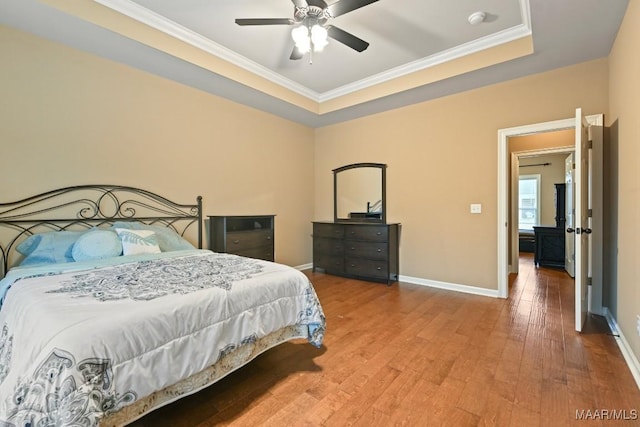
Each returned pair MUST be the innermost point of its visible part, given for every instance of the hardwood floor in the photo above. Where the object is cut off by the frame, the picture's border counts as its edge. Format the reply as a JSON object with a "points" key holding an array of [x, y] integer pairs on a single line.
{"points": [[412, 355]]}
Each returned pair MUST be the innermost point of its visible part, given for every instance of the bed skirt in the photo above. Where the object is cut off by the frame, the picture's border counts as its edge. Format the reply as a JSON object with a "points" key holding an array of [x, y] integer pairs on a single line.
{"points": [[227, 364]]}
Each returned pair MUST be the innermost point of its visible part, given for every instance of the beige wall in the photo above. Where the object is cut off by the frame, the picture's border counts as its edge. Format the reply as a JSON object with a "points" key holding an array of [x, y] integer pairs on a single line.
{"points": [[624, 95], [542, 141], [71, 118], [552, 174], [442, 156]]}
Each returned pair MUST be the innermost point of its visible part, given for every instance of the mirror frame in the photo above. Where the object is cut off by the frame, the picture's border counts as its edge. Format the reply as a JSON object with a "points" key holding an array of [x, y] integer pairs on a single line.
{"points": [[383, 184]]}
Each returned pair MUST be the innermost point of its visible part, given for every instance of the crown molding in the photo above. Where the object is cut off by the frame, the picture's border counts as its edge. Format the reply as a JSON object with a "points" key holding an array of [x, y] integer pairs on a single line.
{"points": [[160, 23], [492, 40]]}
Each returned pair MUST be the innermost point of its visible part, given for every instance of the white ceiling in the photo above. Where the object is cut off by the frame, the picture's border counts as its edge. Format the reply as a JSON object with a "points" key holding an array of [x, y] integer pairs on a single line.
{"points": [[405, 36], [399, 32]]}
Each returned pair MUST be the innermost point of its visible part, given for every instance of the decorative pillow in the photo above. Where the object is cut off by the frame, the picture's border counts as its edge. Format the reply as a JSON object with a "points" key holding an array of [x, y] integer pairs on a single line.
{"points": [[97, 244], [138, 241], [168, 239], [49, 248]]}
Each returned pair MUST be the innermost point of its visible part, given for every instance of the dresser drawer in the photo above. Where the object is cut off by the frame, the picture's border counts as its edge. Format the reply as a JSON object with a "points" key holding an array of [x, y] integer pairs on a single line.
{"points": [[366, 268], [371, 233], [329, 263], [264, 252], [369, 250], [241, 240], [328, 230], [328, 246]]}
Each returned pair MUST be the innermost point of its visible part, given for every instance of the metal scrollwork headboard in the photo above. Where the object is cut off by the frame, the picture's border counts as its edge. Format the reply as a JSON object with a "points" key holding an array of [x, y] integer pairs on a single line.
{"points": [[87, 206]]}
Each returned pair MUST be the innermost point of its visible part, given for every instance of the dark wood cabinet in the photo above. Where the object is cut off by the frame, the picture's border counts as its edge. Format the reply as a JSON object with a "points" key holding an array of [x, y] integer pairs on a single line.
{"points": [[363, 250], [550, 241], [560, 201], [550, 245], [247, 235]]}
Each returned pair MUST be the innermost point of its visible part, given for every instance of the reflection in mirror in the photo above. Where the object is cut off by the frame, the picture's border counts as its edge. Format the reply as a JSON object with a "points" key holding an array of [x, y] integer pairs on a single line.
{"points": [[359, 193]]}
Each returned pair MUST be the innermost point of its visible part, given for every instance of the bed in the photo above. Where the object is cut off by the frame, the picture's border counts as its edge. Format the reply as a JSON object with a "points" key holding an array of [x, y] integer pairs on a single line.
{"points": [[526, 241], [90, 337]]}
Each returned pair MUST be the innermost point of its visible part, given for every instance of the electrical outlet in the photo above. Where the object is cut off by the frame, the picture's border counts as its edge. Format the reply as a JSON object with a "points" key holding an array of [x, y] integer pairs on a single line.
{"points": [[476, 208]]}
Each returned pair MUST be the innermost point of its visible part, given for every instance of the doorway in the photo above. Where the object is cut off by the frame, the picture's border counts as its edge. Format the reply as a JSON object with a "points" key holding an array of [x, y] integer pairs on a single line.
{"points": [[546, 165], [505, 211]]}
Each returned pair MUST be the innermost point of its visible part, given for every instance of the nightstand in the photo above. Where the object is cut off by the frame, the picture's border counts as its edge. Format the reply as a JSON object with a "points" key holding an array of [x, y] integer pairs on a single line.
{"points": [[247, 235]]}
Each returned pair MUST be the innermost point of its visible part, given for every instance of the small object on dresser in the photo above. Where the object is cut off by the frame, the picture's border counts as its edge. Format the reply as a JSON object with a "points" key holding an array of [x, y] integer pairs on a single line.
{"points": [[247, 235]]}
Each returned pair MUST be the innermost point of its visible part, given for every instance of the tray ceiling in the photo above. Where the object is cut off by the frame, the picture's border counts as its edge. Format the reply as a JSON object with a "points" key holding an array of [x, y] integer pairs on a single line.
{"points": [[419, 49]]}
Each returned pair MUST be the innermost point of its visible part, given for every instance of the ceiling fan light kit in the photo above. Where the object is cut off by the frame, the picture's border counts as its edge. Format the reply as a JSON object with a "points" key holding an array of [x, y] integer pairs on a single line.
{"points": [[312, 33], [305, 39]]}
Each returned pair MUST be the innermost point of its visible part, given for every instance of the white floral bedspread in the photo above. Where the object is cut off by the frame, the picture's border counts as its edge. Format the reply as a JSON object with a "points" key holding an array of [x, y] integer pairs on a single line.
{"points": [[78, 345]]}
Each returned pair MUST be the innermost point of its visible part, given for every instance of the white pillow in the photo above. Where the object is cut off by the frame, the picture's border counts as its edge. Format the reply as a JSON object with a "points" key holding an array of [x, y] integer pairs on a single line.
{"points": [[138, 241]]}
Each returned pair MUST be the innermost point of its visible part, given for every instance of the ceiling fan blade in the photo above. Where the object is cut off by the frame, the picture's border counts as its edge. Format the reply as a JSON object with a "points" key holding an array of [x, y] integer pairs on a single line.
{"points": [[265, 21], [344, 6], [296, 54], [300, 3], [347, 39], [319, 3]]}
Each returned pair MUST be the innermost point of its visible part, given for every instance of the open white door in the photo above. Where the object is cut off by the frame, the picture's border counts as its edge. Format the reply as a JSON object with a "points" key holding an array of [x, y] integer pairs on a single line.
{"points": [[569, 253], [581, 219]]}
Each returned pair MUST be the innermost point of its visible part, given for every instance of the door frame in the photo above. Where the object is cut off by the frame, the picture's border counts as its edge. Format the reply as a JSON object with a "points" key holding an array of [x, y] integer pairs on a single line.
{"points": [[504, 208]]}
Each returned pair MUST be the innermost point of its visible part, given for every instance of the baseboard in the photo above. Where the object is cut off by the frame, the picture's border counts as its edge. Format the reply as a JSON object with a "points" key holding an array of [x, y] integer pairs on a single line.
{"points": [[450, 286], [434, 284], [625, 348], [304, 266]]}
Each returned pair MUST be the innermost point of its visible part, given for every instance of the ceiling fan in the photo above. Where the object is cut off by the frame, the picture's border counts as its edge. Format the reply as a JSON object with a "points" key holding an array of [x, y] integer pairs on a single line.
{"points": [[311, 31]]}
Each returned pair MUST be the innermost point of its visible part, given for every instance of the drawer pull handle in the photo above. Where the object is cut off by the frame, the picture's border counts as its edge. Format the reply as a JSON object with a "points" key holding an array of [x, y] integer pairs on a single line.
{"points": [[235, 242], [379, 233], [352, 248], [268, 237], [379, 250], [378, 268]]}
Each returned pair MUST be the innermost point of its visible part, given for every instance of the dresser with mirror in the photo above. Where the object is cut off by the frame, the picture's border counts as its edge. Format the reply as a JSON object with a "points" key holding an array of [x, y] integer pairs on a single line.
{"points": [[358, 242]]}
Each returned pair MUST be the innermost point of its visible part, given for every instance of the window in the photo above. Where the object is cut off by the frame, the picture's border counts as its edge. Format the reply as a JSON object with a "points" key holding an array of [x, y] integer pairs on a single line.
{"points": [[529, 201]]}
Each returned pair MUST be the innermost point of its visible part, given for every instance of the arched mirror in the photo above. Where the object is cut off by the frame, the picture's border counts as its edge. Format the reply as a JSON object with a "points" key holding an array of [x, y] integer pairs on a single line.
{"points": [[359, 192]]}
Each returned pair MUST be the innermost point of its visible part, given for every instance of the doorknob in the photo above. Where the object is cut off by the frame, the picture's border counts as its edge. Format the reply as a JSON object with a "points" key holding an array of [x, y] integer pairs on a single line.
{"points": [[579, 230]]}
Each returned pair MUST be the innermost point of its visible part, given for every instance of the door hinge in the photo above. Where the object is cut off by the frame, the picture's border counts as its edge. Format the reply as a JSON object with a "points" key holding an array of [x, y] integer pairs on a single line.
{"points": [[590, 213], [590, 144], [589, 281]]}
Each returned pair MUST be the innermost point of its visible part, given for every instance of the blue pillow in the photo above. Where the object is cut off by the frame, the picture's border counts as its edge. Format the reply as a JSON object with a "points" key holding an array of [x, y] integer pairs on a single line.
{"points": [[167, 238], [97, 244], [48, 248]]}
